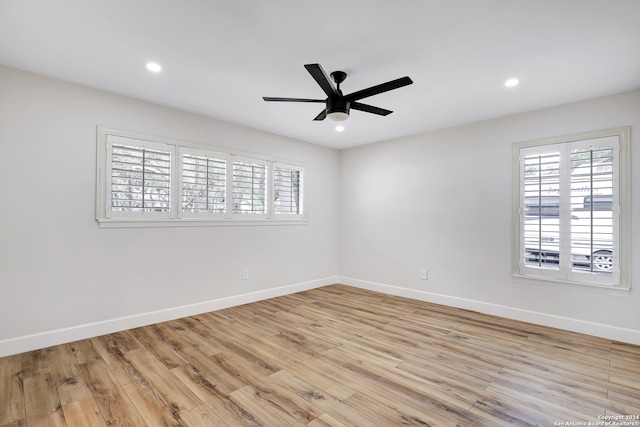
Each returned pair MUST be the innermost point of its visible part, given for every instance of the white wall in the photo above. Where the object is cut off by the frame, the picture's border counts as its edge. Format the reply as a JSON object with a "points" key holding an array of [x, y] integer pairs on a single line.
{"points": [[58, 270], [378, 214], [442, 200]]}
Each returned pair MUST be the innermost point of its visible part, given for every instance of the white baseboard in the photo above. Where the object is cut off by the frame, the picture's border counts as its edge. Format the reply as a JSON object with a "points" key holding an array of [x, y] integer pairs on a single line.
{"points": [[60, 336], [631, 336]]}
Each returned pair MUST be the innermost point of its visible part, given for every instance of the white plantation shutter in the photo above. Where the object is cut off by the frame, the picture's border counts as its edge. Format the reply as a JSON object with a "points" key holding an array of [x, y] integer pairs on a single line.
{"points": [[203, 183], [541, 222], [249, 187], [140, 178], [146, 181], [570, 211], [592, 191], [288, 189]]}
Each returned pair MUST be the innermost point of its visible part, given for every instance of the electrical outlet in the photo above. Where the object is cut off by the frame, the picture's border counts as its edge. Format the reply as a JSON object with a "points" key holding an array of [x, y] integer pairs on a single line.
{"points": [[245, 274], [424, 274]]}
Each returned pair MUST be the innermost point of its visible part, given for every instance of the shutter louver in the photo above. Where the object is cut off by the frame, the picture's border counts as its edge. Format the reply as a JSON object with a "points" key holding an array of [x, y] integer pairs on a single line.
{"points": [[592, 206], [203, 184], [542, 210], [288, 190], [249, 187], [140, 179]]}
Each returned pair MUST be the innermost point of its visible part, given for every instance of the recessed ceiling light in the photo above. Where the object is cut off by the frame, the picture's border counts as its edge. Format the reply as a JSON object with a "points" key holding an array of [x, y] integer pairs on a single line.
{"points": [[154, 67], [339, 128], [511, 82]]}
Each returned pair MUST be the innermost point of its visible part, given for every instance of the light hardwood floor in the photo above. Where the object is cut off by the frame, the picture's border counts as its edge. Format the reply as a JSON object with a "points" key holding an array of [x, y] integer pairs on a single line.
{"points": [[331, 356]]}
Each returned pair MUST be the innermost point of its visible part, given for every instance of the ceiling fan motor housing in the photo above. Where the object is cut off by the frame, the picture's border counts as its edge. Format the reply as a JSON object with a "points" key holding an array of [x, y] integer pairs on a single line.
{"points": [[338, 108]]}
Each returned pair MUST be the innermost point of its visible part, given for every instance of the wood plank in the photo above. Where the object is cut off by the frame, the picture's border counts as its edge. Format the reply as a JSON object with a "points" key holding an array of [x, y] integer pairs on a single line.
{"points": [[472, 369], [252, 319], [584, 403], [158, 342], [324, 329], [194, 333], [83, 413], [549, 408], [126, 340], [325, 420], [202, 416], [209, 369], [19, 423], [561, 364], [384, 415], [275, 351], [113, 401], [11, 391], [152, 407], [460, 385], [70, 383], [174, 392], [335, 320], [84, 352], [626, 402], [331, 397], [270, 414], [35, 363], [628, 362], [219, 401], [363, 355], [506, 412], [324, 400], [42, 406], [113, 355], [281, 397], [313, 378]]}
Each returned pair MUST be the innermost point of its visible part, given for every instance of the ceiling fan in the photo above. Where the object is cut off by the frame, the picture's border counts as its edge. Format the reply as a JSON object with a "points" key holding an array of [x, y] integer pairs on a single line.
{"points": [[337, 105]]}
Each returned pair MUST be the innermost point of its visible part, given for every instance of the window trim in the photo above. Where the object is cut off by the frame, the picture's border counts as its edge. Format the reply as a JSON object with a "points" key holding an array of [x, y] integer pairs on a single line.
{"points": [[175, 217], [624, 198]]}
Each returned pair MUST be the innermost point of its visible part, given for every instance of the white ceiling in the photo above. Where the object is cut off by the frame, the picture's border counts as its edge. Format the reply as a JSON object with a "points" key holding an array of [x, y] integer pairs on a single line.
{"points": [[220, 57]]}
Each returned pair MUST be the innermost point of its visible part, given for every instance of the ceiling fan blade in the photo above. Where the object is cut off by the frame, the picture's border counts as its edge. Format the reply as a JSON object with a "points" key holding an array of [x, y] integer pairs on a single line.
{"points": [[270, 98], [322, 115], [384, 87], [370, 109], [321, 77]]}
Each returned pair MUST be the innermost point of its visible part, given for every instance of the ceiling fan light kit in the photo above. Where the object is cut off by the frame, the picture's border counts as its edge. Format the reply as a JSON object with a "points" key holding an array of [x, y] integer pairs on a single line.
{"points": [[337, 105]]}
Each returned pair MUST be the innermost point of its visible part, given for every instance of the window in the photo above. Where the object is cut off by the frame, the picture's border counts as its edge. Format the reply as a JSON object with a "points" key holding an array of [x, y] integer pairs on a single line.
{"points": [[149, 181], [140, 177], [249, 187], [288, 197], [572, 209], [203, 184]]}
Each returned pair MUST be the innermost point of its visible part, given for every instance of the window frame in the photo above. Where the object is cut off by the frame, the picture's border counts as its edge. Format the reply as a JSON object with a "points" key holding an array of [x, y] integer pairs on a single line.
{"points": [[176, 217], [620, 279]]}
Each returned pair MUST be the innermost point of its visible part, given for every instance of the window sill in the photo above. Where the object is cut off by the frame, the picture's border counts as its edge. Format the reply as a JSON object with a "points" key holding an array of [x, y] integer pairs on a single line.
{"points": [[190, 222], [548, 281]]}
